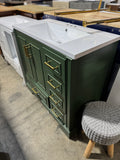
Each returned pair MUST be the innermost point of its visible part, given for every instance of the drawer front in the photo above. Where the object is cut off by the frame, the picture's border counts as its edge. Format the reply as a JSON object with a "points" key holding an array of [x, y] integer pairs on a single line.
{"points": [[44, 99], [57, 101], [53, 83], [56, 113], [53, 63], [41, 95], [30, 87]]}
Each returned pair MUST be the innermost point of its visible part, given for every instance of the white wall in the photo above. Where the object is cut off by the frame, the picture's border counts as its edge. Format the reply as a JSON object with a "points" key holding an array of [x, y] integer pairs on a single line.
{"points": [[114, 97]]}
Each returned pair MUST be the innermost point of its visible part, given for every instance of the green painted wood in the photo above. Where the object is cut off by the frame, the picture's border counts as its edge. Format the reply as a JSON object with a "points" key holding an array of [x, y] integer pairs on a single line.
{"points": [[37, 65], [27, 63], [87, 81], [32, 66], [40, 54], [58, 75]]}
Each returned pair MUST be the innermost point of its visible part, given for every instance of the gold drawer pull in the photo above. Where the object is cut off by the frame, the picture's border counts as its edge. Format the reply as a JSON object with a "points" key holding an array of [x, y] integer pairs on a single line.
{"points": [[36, 92], [49, 82], [47, 64], [54, 113], [51, 97], [26, 47]]}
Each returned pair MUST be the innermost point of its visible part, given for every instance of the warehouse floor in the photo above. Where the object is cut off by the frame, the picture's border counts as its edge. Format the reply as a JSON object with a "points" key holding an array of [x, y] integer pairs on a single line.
{"points": [[36, 131], [9, 148]]}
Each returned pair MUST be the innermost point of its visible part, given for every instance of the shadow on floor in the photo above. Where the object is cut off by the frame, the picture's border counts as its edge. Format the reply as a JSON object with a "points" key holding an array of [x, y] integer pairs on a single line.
{"points": [[9, 147]]}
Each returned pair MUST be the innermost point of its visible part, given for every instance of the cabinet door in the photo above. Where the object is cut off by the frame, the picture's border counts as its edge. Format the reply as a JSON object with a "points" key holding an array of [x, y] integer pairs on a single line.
{"points": [[36, 54], [31, 61], [26, 59]]}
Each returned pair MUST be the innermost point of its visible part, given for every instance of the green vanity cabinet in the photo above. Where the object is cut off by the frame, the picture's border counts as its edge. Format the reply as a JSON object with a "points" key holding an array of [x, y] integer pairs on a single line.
{"points": [[48, 67], [64, 85]]}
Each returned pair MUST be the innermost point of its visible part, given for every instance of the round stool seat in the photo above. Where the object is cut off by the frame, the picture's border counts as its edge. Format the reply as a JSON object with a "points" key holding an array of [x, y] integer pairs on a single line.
{"points": [[101, 122]]}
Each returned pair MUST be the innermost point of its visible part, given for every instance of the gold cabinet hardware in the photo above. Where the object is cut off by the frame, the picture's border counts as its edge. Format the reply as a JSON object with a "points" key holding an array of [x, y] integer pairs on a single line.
{"points": [[54, 112], [51, 97], [49, 82], [26, 47], [33, 89], [47, 64]]}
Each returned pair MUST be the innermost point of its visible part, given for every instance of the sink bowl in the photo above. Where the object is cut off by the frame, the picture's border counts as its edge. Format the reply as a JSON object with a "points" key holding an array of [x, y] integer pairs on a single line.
{"points": [[56, 33]]}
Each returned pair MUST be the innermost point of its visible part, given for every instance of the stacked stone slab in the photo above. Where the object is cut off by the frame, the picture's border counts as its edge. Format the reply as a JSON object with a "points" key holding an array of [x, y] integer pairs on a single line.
{"points": [[81, 4], [85, 4]]}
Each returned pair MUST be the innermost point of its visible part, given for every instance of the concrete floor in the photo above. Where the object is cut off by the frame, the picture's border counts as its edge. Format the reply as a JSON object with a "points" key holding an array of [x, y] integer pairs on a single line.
{"points": [[9, 148], [37, 133]]}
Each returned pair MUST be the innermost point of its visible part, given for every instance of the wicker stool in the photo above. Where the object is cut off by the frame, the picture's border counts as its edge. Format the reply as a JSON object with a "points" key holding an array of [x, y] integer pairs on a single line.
{"points": [[101, 124]]}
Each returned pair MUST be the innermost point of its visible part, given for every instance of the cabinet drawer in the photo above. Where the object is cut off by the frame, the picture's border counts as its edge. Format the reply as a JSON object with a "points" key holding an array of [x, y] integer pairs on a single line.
{"points": [[30, 86], [57, 101], [53, 63], [56, 113], [53, 83], [43, 98], [40, 94]]}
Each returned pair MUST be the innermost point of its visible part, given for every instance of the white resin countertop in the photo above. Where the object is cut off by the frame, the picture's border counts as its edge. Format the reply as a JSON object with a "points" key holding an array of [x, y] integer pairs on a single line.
{"points": [[9, 21], [71, 40]]}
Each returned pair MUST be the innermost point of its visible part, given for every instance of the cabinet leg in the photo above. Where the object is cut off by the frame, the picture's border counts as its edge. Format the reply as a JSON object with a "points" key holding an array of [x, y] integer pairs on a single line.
{"points": [[111, 150], [89, 148]]}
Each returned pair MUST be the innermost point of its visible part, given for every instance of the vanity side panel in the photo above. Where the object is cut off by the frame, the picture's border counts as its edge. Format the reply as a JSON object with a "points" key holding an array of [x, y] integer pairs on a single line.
{"points": [[87, 81]]}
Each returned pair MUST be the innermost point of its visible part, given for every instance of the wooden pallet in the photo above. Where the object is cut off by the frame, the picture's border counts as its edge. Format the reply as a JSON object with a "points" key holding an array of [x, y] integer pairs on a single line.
{"points": [[114, 24], [34, 9], [5, 9], [52, 13], [92, 16]]}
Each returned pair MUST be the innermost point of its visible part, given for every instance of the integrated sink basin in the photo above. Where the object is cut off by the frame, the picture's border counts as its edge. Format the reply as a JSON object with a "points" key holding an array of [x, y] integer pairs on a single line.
{"points": [[56, 33], [71, 40]]}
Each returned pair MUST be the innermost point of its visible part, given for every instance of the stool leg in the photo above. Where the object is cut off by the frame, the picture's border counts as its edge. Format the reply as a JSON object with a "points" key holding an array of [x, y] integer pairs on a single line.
{"points": [[89, 149], [111, 150], [82, 132]]}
